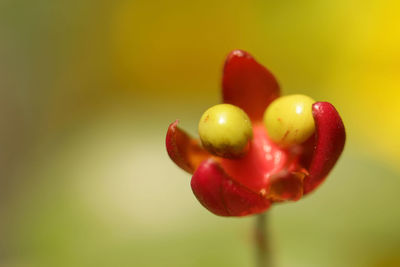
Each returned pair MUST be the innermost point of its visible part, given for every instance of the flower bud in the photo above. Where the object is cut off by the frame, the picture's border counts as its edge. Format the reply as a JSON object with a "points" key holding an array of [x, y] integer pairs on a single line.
{"points": [[289, 120], [225, 130]]}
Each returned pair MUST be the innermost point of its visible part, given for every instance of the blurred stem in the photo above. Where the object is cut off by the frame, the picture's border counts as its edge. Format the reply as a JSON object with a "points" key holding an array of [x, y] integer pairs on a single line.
{"points": [[263, 252]]}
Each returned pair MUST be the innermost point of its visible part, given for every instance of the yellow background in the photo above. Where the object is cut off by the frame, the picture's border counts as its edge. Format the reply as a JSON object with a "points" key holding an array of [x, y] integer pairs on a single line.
{"points": [[88, 88]]}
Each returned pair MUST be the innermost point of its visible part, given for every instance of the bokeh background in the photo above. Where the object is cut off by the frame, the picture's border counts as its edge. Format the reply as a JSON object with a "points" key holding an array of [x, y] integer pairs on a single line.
{"points": [[88, 88]]}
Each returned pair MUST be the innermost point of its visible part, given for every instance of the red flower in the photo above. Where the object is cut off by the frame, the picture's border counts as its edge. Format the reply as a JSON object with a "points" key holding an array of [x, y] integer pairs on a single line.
{"points": [[267, 173]]}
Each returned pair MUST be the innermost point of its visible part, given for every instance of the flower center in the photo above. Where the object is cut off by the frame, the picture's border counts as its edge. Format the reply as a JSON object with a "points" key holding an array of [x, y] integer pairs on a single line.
{"points": [[264, 158]]}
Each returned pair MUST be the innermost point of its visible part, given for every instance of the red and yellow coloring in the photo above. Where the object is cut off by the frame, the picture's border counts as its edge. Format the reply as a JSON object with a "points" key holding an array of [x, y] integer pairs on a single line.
{"points": [[267, 172]]}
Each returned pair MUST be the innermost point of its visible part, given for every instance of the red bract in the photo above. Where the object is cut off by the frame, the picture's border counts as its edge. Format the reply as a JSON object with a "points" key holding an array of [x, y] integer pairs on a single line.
{"points": [[267, 173]]}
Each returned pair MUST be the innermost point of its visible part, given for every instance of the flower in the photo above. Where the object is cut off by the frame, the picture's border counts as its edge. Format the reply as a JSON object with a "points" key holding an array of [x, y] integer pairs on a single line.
{"points": [[268, 172]]}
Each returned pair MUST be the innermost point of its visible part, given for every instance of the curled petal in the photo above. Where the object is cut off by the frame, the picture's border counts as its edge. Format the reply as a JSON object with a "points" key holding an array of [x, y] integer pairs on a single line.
{"points": [[286, 185], [217, 192], [248, 85], [184, 150], [330, 139]]}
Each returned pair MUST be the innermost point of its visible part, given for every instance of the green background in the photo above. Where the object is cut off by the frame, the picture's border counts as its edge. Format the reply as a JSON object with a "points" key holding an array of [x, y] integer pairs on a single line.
{"points": [[88, 89]]}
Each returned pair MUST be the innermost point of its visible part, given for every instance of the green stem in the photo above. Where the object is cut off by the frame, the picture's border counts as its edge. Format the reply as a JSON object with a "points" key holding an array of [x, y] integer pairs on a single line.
{"points": [[263, 252]]}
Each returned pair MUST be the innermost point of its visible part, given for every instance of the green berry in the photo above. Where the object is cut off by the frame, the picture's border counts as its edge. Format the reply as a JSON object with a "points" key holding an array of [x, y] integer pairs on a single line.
{"points": [[289, 120], [225, 130]]}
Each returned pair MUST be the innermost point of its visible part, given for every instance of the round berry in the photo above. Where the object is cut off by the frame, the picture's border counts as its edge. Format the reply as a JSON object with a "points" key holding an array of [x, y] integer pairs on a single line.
{"points": [[225, 130], [289, 120]]}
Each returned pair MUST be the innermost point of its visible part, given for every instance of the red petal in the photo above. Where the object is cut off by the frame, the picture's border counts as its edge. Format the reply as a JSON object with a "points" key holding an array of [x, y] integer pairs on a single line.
{"points": [[184, 150], [248, 85], [330, 139], [217, 192]]}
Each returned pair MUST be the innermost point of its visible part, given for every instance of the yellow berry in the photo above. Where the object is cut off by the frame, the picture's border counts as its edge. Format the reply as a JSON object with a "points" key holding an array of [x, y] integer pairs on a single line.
{"points": [[289, 120], [225, 130]]}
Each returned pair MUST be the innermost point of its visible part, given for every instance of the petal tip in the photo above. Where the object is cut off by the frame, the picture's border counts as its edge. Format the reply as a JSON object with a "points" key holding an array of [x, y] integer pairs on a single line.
{"points": [[237, 53], [184, 150]]}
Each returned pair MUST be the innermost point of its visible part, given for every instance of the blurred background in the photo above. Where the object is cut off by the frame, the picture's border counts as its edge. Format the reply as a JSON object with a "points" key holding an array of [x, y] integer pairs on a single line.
{"points": [[88, 89]]}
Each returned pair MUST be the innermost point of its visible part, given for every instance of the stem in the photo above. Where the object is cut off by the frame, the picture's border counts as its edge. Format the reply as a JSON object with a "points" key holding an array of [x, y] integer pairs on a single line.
{"points": [[263, 252]]}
